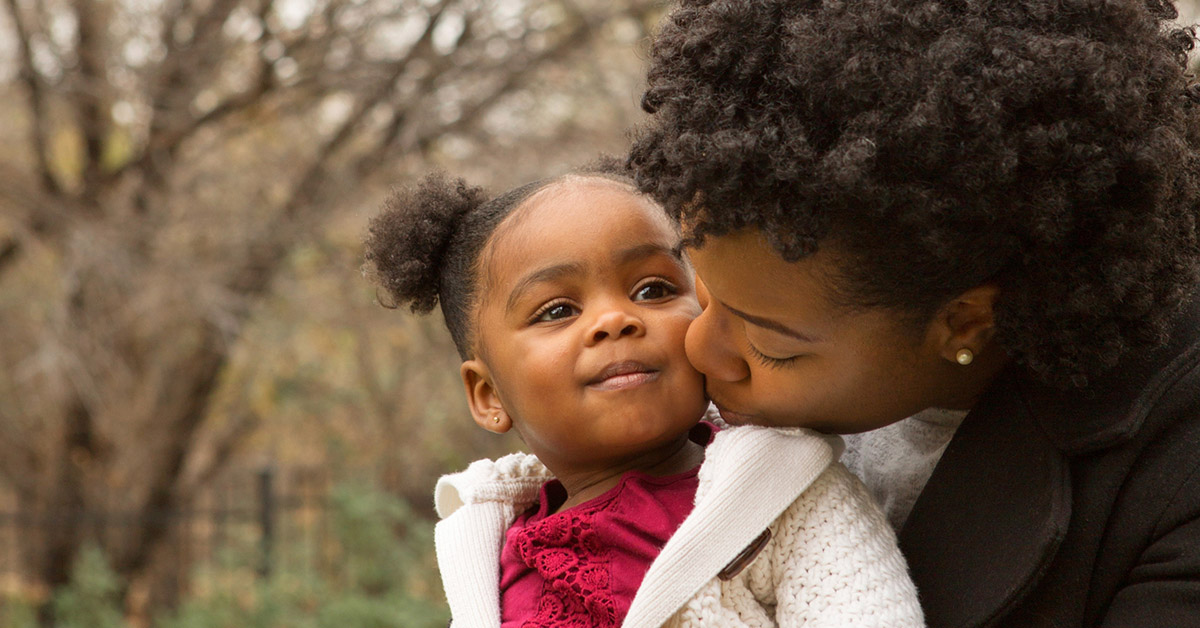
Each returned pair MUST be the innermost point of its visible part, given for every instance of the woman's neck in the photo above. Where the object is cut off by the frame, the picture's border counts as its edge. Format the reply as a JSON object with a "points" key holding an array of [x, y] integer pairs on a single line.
{"points": [[678, 456]]}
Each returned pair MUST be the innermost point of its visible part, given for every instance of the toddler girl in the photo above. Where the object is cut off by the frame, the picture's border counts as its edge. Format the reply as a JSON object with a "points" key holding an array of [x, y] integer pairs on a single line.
{"points": [[568, 300]]}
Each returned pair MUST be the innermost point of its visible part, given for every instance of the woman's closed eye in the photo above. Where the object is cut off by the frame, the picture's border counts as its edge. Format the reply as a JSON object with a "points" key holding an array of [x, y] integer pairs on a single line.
{"points": [[769, 361]]}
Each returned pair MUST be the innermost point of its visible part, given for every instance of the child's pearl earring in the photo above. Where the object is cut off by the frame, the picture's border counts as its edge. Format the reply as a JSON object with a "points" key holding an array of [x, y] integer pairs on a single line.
{"points": [[496, 419], [964, 356]]}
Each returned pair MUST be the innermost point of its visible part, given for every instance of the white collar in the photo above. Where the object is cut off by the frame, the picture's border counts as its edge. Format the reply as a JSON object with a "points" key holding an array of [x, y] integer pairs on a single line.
{"points": [[749, 477]]}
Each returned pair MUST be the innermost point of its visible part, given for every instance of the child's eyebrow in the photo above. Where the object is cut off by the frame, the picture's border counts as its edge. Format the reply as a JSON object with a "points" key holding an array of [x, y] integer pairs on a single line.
{"points": [[650, 249], [549, 273]]}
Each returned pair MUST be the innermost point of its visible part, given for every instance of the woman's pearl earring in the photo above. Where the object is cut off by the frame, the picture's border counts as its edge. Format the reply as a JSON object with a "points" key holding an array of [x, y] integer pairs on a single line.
{"points": [[496, 419], [964, 357]]}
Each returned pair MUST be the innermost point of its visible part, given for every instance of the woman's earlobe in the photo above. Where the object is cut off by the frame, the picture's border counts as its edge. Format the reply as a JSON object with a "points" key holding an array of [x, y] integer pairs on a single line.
{"points": [[482, 398], [969, 323]]}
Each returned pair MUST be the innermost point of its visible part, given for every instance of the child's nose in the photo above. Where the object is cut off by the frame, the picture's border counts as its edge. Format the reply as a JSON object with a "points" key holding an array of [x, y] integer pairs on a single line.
{"points": [[615, 323]]}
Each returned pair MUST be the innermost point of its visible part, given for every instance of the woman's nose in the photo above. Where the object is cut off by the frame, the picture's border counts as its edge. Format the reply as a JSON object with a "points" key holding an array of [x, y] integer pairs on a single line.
{"points": [[701, 293], [710, 345], [614, 323]]}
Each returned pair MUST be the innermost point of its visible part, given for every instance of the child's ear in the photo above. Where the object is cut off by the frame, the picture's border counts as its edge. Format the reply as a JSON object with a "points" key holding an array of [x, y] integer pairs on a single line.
{"points": [[968, 323], [485, 404]]}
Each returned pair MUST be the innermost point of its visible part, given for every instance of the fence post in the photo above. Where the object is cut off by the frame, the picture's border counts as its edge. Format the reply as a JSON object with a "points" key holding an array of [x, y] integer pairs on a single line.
{"points": [[266, 518]]}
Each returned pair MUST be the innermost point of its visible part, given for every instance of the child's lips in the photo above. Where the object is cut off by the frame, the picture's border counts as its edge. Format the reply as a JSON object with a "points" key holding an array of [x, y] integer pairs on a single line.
{"points": [[622, 375]]}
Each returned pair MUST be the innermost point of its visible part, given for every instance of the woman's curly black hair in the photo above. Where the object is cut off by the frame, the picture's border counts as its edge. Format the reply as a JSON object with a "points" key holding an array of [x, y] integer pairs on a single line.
{"points": [[424, 246], [1050, 147]]}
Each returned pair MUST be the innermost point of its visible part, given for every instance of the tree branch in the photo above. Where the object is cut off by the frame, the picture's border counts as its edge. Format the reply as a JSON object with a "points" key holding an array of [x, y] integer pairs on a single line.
{"points": [[192, 387], [263, 261], [9, 249], [38, 105], [574, 39], [41, 213], [171, 96], [232, 104], [18, 463], [226, 446], [89, 97]]}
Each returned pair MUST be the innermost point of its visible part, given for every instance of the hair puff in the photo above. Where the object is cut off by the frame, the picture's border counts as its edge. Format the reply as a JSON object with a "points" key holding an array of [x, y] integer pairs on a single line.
{"points": [[407, 242]]}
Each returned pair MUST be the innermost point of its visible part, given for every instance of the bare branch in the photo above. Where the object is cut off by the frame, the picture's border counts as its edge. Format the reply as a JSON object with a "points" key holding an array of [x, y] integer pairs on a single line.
{"points": [[40, 214], [9, 249], [265, 77], [89, 99], [579, 36], [401, 117], [179, 74], [38, 104], [18, 462], [382, 402], [192, 391], [44, 213], [263, 261], [312, 178], [170, 138], [227, 445]]}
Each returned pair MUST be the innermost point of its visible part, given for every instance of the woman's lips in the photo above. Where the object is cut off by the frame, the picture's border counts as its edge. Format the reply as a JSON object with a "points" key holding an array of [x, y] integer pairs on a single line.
{"points": [[622, 375], [734, 418]]}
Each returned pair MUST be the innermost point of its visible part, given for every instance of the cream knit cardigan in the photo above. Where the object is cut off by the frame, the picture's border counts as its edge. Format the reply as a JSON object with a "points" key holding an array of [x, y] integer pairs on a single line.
{"points": [[831, 561]]}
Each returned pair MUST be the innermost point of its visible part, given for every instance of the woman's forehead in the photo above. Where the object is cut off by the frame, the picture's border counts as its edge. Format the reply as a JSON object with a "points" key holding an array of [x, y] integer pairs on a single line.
{"points": [[745, 272]]}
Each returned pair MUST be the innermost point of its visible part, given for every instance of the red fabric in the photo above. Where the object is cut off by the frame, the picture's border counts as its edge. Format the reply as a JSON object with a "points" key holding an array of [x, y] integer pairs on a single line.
{"points": [[583, 565]]}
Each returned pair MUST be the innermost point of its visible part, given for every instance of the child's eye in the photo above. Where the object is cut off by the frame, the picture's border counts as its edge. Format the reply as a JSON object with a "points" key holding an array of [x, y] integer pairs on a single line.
{"points": [[554, 312], [654, 290]]}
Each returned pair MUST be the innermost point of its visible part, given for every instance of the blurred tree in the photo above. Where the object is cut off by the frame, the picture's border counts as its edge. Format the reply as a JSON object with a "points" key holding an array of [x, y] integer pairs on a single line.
{"points": [[164, 161]]}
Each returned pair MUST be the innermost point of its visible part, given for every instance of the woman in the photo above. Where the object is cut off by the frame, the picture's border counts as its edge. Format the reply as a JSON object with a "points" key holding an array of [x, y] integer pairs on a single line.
{"points": [[980, 216]]}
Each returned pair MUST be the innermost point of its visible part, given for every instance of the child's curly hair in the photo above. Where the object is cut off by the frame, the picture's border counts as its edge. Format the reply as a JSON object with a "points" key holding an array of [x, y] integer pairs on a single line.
{"points": [[424, 247], [1050, 147]]}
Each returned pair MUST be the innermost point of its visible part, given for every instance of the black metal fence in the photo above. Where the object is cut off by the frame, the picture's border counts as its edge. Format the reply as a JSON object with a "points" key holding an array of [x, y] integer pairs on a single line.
{"points": [[258, 520]]}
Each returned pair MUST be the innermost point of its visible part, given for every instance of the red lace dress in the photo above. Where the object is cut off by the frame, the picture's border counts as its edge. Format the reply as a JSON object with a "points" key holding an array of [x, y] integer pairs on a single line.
{"points": [[582, 566]]}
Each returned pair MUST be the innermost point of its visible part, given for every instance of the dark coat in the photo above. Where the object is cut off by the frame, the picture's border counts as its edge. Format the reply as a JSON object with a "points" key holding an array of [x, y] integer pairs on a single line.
{"points": [[1054, 508]]}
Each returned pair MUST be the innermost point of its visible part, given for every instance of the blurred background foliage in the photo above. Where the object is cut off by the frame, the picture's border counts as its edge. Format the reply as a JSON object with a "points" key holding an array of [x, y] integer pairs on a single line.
{"points": [[183, 192]]}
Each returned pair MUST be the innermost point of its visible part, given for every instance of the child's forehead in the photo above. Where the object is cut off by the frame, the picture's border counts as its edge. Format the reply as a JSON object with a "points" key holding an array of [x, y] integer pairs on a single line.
{"points": [[570, 185], [596, 203], [593, 221]]}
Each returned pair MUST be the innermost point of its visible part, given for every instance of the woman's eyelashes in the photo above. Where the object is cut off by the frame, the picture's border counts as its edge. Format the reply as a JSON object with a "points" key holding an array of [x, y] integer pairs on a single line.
{"points": [[768, 361]]}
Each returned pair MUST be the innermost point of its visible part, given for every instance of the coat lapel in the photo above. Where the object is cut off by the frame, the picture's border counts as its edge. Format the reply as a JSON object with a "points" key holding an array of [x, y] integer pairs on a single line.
{"points": [[992, 515], [998, 504]]}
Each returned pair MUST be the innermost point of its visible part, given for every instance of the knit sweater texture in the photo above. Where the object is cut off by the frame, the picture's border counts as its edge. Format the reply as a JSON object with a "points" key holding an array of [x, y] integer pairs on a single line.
{"points": [[781, 535]]}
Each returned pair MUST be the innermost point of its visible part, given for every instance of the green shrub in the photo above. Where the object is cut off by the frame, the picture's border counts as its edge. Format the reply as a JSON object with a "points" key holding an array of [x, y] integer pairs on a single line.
{"points": [[17, 612], [380, 581], [92, 599]]}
